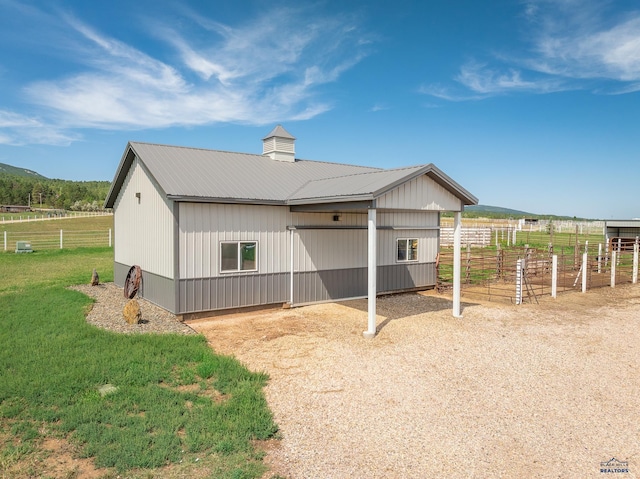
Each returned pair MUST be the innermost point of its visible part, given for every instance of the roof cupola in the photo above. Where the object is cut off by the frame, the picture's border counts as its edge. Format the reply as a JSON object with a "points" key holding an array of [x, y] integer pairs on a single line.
{"points": [[279, 145]]}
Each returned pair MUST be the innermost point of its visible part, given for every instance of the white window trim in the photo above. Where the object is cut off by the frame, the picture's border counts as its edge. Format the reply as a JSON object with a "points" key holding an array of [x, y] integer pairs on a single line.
{"points": [[417, 250], [239, 259]]}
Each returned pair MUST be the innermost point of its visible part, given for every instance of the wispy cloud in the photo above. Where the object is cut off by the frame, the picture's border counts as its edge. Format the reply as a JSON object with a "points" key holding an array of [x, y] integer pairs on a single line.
{"points": [[265, 70], [379, 107], [574, 44], [18, 130]]}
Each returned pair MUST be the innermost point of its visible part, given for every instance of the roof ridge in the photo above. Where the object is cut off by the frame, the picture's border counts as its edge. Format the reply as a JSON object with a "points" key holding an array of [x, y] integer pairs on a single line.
{"points": [[193, 148], [376, 170], [253, 154]]}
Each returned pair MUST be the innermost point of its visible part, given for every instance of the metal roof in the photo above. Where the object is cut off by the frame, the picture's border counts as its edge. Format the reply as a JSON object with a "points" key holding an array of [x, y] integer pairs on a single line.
{"points": [[622, 223], [280, 132], [192, 174], [372, 184]]}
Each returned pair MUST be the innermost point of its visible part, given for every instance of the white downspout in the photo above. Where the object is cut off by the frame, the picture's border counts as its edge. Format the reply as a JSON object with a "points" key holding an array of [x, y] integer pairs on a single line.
{"points": [[457, 244], [371, 273]]}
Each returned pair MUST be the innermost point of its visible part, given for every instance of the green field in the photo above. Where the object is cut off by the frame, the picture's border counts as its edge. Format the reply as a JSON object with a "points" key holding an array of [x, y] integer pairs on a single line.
{"points": [[177, 409], [83, 223]]}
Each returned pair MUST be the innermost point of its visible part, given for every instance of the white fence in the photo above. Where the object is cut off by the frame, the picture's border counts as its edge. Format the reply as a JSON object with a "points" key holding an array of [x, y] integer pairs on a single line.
{"points": [[470, 236], [46, 216], [61, 239]]}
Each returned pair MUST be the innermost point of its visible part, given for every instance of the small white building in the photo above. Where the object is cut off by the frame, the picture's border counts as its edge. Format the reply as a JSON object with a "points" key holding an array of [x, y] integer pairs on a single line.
{"points": [[621, 234], [214, 230]]}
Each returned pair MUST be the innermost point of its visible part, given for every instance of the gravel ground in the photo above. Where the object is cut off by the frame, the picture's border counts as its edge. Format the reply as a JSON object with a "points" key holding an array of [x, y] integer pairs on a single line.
{"points": [[548, 390], [106, 312]]}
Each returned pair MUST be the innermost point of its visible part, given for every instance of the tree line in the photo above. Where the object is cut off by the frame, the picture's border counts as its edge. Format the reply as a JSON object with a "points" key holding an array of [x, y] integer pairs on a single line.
{"points": [[53, 193]]}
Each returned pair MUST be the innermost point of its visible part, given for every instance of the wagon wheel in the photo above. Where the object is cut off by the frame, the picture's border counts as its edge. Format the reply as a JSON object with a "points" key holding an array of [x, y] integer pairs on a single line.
{"points": [[132, 282]]}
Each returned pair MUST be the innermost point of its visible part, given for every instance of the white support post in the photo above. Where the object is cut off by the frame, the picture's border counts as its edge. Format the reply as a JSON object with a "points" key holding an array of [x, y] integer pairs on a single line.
{"points": [[60, 239], [519, 281], [554, 276], [110, 238], [457, 262], [584, 272], [614, 255], [514, 236], [634, 275], [291, 258], [371, 273]]}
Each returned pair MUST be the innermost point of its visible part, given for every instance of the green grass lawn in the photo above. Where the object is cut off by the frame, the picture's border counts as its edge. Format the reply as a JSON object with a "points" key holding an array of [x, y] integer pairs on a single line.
{"points": [[176, 409], [83, 223]]}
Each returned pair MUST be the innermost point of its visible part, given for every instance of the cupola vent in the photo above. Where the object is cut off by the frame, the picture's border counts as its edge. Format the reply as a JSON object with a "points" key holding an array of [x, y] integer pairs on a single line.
{"points": [[279, 145]]}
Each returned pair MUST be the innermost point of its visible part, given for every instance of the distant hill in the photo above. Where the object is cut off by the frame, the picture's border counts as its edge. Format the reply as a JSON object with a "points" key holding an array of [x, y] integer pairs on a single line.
{"points": [[20, 186], [14, 170], [496, 210], [485, 211]]}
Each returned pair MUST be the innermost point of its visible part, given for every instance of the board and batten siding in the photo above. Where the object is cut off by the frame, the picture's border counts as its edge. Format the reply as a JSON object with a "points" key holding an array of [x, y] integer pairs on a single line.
{"points": [[203, 226], [346, 247], [143, 227], [421, 193]]}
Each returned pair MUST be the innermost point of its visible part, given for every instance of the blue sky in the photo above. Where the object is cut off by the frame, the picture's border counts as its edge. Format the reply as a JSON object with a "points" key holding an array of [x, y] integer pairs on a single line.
{"points": [[532, 105]]}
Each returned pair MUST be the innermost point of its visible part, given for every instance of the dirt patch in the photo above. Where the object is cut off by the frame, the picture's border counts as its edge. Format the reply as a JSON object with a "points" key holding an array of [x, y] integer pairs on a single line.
{"points": [[537, 390], [62, 461]]}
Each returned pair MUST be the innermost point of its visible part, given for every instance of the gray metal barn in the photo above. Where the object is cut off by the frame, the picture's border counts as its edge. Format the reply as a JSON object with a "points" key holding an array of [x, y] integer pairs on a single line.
{"points": [[621, 231], [214, 230]]}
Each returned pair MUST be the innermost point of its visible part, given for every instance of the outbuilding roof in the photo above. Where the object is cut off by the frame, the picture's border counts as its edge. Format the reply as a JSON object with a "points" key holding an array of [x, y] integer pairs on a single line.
{"points": [[192, 174]]}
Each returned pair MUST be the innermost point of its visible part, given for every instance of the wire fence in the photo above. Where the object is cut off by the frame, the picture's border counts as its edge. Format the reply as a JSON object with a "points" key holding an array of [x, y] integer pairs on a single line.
{"points": [[509, 236], [54, 240], [522, 274]]}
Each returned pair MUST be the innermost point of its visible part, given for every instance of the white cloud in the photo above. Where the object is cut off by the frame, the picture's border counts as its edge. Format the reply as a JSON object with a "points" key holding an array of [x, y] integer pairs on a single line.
{"points": [[608, 52], [260, 72], [574, 44], [17, 129]]}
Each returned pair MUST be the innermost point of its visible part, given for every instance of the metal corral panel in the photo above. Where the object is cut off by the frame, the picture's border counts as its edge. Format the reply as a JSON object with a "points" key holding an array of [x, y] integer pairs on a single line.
{"points": [[209, 294], [153, 288], [203, 226], [420, 193], [143, 224]]}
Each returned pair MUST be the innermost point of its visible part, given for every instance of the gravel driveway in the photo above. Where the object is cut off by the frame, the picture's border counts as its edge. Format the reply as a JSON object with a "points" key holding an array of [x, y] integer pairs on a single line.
{"points": [[548, 390]]}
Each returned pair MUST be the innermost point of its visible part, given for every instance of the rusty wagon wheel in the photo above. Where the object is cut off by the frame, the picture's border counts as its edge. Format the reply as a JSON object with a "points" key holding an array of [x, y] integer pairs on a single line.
{"points": [[132, 282]]}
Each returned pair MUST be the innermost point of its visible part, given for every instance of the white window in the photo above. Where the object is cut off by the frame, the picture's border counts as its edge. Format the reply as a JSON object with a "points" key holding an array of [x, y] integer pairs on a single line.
{"points": [[407, 249], [238, 256]]}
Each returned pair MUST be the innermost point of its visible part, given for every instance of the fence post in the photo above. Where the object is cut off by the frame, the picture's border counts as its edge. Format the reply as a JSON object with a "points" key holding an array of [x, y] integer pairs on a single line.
{"points": [[599, 257], [554, 276], [60, 239], [635, 263], [467, 275], [109, 237], [519, 281], [514, 235], [614, 255], [584, 272]]}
